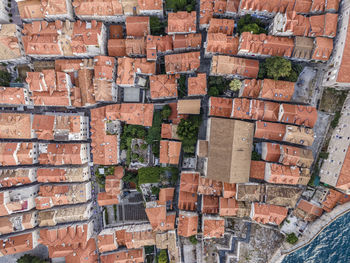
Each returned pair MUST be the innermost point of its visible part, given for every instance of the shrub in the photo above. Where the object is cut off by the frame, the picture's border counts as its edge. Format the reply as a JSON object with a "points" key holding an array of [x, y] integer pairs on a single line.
{"points": [[5, 78], [155, 190], [163, 256], [235, 85], [292, 238], [30, 259], [324, 155], [256, 156], [248, 23], [193, 240], [181, 5], [141, 159], [335, 121], [144, 146], [217, 86], [153, 136], [157, 26], [135, 156], [106, 216], [149, 175], [182, 88], [213, 92], [166, 112]]}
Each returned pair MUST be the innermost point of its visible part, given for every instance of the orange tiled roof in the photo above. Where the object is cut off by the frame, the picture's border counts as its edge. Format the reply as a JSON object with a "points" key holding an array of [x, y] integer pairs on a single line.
{"points": [[116, 47], [311, 211], [283, 174], [210, 204], [150, 5], [219, 43], [228, 206], [187, 201], [59, 154], [343, 76], [188, 224], [333, 198], [170, 152], [175, 118], [189, 182], [220, 107], [270, 130], [58, 175], [183, 62], [37, 9], [323, 48], [241, 108], [17, 153], [137, 26], [166, 196], [298, 114], [187, 41], [264, 110], [13, 177], [208, 186], [182, 22], [135, 46], [157, 44], [97, 8], [124, 256], [197, 85], [213, 227], [159, 219], [257, 170], [268, 214], [163, 86], [224, 26], [104, 199], [206, 11], [343, 182], [127, 67], [265, 45], [15, 126], [18, 243], [271, 152], [296, 156], [116, 32], [229, 190], [226, 65], [18, 222], [277, 90], [275, 6], [13, 96], [169, 131]]}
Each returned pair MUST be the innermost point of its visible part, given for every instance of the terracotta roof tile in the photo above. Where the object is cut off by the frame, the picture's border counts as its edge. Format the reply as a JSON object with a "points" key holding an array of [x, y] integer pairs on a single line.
{"points": [[219, 43], [15, 126], [159, 219], [270, 131], [169, 131], [188, 224], [187, 201], [163, 86], [150, 5], [268, 214], [166, 196], [263, 44], [333, 198], [60, 154], [298, 114], [97, 8], [257, 170], [277, 90], [157, 44], [228, 206], [207, 186], [270, 152], [183, 62], [17, 153], [210, 204], [197, 85], [14, 96], [225, 65], [189, 182], [343, 76], [213, 227], [220, 107], [116, 32], [170, 152], [18, 243], [175, 118], [182, 22], [224, 26], [137, 26], [10, 44], [124, 256], [187, 41], [308, 211], [323, 48], [229, 190]]}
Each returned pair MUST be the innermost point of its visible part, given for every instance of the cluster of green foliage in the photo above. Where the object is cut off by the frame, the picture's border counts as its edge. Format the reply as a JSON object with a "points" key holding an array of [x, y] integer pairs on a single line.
{"points": [[256, 156], [181, 86], [193, 240], [157, 26], [154, 133], [30, 259], [187, 130], [279, 68], [217, 86], [153, 174], [163, 256], [335, 121], [180, 5], [106, 216], [324, 155], [248, 23], [130, 132], [291, 238], [166, 112], [100, 178], [155, 190], [235, 85], [5, 78]]}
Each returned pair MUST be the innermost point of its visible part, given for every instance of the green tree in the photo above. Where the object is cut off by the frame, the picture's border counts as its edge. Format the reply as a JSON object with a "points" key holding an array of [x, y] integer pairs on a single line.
{"points": [[193, 240], [166, 112], [5, 78], [213, 92], [248, 23], [155, 190], [163, 256], [144, 146], [30, 259], [157, 27], [291, 238], [235, 85], [277, 67], [186, 129]]}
